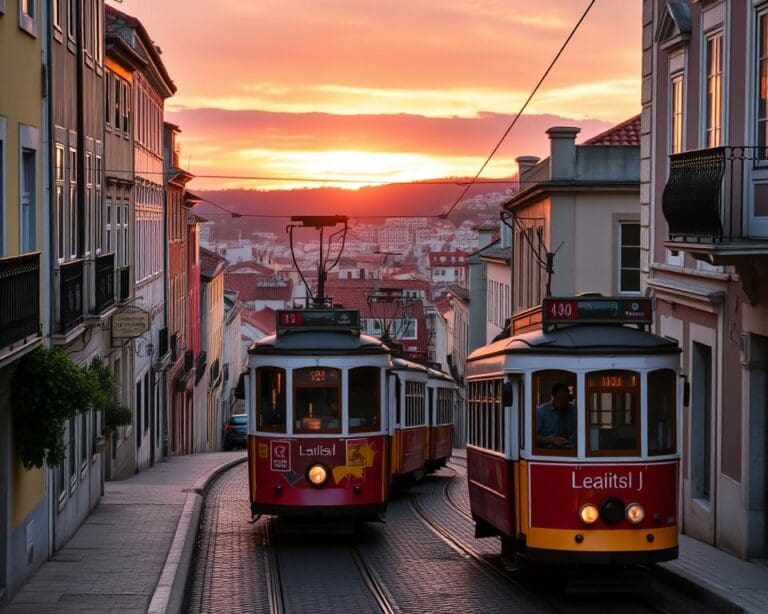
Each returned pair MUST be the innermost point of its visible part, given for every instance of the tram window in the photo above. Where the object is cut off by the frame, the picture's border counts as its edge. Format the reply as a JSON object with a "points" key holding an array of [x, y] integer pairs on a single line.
{"points": [[317, 394], [364, 399], [486, 415], [662, 395], [556, 417], [270, 392], [414, 403], [444, 406], [613, 410]]}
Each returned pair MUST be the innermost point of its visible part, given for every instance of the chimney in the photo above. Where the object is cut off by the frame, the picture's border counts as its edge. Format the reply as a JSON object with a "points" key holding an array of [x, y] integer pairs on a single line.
{"points": [[484, 236], [524, 164], [562, 152]]}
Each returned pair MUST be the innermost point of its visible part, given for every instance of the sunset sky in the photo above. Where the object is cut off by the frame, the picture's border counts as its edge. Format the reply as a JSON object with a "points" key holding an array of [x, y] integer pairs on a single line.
{"points": [[384, 90]]}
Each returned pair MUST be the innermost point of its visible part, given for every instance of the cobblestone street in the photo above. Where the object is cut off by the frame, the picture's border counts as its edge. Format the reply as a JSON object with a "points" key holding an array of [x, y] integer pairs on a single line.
{"points": [[424, 559]]}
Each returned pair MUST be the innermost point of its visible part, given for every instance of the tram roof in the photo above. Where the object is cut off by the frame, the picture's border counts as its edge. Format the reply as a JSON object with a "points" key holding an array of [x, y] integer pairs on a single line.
{"points": [[403, 364], [318, 342], [582, 339]]}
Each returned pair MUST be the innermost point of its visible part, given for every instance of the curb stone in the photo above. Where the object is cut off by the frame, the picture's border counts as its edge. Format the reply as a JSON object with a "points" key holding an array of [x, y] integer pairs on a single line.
{"points": [[708, 595], [169, 595]]}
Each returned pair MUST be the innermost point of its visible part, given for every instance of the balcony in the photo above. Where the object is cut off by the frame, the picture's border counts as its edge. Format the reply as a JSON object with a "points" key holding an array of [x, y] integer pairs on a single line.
{"points": [[708, 202], [105, 283], [19, 300], [124, 279], [70, 295]]}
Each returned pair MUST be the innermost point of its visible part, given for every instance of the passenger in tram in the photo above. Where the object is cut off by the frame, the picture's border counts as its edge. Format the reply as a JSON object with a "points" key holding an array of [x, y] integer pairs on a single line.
{"points": [[556, 420]]}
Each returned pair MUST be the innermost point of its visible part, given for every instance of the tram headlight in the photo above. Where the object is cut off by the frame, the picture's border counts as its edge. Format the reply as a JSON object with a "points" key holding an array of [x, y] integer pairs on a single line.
{"points": [[317, 475], [589, 513], [634, 513]]}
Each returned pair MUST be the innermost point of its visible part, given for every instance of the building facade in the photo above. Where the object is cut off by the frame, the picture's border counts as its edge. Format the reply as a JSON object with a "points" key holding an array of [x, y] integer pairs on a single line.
{"points": [[24, 320], [151, 86], [705, 239]]}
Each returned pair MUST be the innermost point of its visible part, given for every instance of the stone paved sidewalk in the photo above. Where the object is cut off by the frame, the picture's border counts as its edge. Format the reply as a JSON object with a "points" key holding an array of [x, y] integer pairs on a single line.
{"points": [[114, 561]]}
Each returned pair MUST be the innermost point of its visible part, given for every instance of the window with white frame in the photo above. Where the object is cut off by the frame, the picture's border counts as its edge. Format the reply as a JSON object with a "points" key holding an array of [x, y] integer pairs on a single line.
{"points": [[98, 171], [713, 112], [629, 257], [110, 210], [761, 114], [88, 201]]}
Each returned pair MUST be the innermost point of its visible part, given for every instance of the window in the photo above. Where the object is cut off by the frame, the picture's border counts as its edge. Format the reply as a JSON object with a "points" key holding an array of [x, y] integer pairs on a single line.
{"points": [[84, 440], [364, 399], [662, 403], [486, 415], [613, 411], [72, 452], [61, 221], [714, 90], [72, 214], [146, 401], [2, 180], [762, 84], [138, 413], [27, 205], [556, 416], [676, 115], [444, 406], [270, 399], [27, 14], [88, 213], [72, 19], [629, 257], [414, 403], [97, 191], [317, 396]]}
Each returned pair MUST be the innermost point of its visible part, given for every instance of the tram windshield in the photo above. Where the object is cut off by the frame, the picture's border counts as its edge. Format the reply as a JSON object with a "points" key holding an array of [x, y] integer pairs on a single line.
{"points": [[662, 395], [554, 395], [317, 395], [613, 411], [364, 399], [270, 395]]}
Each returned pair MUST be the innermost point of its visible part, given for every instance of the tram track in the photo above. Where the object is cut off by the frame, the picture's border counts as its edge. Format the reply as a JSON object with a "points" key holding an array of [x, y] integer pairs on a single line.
{"points": [[511, 573], [283, 568]]}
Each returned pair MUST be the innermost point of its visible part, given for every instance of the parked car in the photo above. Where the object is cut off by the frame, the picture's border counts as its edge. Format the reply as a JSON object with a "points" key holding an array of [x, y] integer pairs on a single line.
{"points": [[236, 431]]}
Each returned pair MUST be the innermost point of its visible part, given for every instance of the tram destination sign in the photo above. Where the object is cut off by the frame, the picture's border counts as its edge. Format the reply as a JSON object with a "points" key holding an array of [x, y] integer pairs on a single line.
{"points": [[596, 310], [318, 319]]}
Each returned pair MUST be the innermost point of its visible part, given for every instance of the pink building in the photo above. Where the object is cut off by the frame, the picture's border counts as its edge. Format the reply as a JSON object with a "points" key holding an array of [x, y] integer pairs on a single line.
{"points": [[704, 216]]}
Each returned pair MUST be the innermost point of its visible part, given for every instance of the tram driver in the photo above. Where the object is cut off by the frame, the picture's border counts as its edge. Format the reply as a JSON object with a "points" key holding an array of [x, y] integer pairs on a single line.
{"points": [[556, 420]]}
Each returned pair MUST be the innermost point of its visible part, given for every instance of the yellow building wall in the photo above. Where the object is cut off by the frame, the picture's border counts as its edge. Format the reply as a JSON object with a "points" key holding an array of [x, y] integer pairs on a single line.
{"points": [[20, 103], [28, 492]]}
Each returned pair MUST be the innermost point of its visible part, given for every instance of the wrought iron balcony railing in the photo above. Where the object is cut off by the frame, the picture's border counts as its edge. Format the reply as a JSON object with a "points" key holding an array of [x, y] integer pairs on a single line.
{"points": [[704, 198], [105, 282], [19, 298], [70, 295]]}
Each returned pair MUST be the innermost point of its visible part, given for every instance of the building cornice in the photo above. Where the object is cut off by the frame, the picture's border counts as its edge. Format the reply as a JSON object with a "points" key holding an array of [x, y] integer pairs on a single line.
{"points": [[543, 189]]}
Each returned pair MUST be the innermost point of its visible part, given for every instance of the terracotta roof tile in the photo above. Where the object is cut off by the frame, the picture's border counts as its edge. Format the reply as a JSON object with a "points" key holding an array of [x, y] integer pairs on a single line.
{"points": [[625, 133], [254, 287], [211, 264]]}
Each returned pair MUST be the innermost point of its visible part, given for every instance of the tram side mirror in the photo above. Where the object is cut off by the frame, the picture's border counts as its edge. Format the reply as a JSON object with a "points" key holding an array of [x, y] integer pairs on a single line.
{"points": [[508, 394]]}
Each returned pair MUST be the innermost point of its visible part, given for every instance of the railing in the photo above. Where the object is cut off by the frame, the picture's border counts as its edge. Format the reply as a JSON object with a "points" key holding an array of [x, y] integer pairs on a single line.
{"points": [[124, 277], [703, 199], [105, 282], [70, 295], [19, 298]]}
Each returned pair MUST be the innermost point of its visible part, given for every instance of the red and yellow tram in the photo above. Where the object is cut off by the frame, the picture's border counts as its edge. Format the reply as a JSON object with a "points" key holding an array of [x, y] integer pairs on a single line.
{"points": [[333, 418], [441, 394], [318, 434], [573, 441]]}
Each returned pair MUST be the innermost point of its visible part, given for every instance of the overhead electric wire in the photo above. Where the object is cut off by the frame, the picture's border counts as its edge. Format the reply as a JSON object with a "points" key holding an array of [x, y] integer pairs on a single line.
{"points": [[520, 112]]}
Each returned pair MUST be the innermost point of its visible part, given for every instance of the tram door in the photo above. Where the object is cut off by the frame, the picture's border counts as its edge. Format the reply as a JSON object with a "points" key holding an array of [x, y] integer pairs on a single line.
{"points": [[513, 403]]}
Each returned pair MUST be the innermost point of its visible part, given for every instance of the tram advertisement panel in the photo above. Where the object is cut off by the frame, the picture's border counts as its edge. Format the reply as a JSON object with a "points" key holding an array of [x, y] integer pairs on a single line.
{"points": [[558, 490], [349, 462]]}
